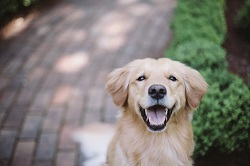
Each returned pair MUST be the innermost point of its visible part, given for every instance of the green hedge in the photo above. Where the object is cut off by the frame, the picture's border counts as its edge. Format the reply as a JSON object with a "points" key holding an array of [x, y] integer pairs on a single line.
{"points": [[222, 121], [12, 6], [205, 21], [243, 19]]}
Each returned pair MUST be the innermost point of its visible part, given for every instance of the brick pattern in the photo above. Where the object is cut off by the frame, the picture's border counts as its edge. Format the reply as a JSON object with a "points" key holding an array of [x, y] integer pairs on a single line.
{"points": [[15, 117], [66, 141], [24, 153], [52, 74], [31, 127], [65, 159], [7, 142], [46, 146], [53, 119]]}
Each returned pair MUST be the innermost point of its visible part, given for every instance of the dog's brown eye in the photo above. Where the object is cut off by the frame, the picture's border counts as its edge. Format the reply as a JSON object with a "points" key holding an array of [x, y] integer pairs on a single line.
{"points": [[172, 78], [141, 78]]}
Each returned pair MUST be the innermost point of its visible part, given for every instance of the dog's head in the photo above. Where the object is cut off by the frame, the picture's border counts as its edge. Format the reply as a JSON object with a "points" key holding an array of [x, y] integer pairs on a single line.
{"points": [[156, 90]]}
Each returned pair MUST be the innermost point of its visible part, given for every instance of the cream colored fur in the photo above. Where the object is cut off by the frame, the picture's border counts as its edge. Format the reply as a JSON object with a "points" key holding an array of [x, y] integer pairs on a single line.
{"points": [[133, 143]]}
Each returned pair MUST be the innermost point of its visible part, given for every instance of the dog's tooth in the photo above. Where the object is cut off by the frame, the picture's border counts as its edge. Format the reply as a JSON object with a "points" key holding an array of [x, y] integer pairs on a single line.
{"points": [[146, 112]]}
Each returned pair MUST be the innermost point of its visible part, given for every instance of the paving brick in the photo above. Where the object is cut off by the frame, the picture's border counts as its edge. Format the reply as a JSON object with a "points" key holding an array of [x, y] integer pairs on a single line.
{"points": [[10, 51], [51, 81], [2, 110], [2, 115], [4, 162], [31, 127], [84, 82], [66, 141], [72, 78], [62, 95], [74, 112], [7, 140], [43, 163], [66, 159], [37, 111], [95, 98], [50, 57], [53, 119], [23, 154], [1, 118], [41, 100], [25, 96], [15, 117], [36, 75], [25, 50], [31, 63], [77, 94], [94, 106], [110, 111], [46, 146], [18, 80], [12, 67], [7, 98], [4, 82], [92, 116], [100, 80], [81, 159]]}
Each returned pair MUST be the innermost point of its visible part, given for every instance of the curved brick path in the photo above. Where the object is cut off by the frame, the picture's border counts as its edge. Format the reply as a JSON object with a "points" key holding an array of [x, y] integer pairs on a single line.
{"points": [[52, 75]]}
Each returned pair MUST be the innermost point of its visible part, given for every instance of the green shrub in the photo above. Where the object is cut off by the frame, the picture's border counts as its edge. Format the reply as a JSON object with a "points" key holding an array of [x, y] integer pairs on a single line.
{"points": [[222, 121], [243, 19], [197, 53], [12, 6], [200, 17], [8, 8]]}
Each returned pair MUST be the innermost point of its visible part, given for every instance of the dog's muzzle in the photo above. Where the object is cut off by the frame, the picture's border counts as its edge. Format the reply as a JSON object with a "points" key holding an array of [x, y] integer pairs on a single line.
{"points": [[156, 116]]}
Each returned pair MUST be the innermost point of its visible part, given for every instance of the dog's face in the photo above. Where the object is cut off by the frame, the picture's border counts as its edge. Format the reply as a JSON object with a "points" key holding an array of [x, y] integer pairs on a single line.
{"points": [[156, 90]]}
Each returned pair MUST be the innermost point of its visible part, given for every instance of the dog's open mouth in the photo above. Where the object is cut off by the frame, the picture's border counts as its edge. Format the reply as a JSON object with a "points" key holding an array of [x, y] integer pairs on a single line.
{"points": [[156, 117]]}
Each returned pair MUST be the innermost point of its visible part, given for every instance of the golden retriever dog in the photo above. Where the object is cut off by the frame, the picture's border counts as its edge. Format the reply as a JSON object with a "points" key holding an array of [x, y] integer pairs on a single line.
{"points": [[157, 99]]}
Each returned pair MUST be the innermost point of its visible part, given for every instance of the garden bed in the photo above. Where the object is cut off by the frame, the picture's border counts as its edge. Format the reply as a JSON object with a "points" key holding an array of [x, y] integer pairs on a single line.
{"points": [[238, 57], [221, 125], [238, 47]]}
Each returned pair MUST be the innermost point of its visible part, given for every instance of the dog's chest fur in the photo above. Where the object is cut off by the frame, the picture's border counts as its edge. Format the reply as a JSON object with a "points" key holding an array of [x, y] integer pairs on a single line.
{"points": [[134, 146], [151, 152]]}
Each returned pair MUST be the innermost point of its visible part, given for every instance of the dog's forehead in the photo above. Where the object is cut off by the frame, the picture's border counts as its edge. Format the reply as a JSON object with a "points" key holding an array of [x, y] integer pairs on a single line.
{"points": [[149, 65]]}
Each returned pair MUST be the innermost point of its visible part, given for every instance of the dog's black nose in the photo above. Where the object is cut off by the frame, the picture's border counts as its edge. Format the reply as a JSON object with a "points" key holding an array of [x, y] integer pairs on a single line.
{"points": [[157, 91]]}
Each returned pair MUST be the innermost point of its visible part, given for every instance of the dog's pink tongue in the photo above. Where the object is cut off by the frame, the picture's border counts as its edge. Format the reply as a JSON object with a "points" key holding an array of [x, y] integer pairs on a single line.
{"points": [[156, 117]]}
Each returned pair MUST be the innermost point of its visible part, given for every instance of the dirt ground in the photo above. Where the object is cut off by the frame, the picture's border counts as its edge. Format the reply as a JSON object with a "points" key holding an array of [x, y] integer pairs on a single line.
{"points": [[236, 45]]}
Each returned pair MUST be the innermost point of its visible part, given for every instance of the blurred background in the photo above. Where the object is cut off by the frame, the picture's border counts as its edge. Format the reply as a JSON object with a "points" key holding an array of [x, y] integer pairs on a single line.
{"points": [[55, 55]]}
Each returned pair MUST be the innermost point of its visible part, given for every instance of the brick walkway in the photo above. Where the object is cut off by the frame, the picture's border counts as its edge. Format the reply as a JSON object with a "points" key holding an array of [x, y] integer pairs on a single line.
{"points": [[52, 75]]}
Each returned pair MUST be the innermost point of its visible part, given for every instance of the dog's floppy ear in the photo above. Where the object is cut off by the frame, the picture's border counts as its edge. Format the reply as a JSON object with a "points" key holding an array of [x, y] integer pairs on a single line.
{"points": [[195, 86], [117, 85]]}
